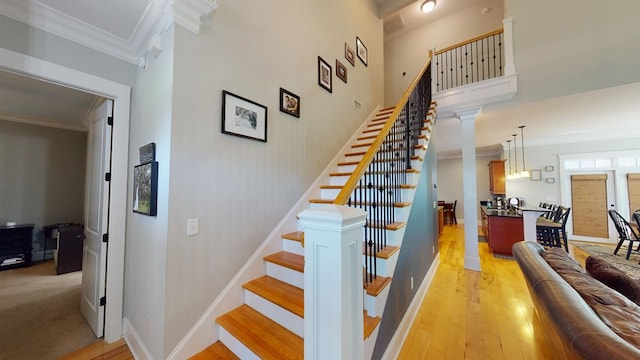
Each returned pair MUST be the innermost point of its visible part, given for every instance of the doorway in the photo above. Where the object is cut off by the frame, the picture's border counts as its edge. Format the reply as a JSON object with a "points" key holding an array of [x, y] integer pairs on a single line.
{"points": [[120, 94]]}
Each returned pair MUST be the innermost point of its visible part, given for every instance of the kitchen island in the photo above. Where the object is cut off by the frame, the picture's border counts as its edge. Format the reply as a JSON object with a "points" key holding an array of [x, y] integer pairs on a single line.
{"points": [[503, 229]]}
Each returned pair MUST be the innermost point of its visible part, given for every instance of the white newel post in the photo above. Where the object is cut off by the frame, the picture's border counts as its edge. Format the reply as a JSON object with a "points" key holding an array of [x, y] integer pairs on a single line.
{"points": [[333, 289]]}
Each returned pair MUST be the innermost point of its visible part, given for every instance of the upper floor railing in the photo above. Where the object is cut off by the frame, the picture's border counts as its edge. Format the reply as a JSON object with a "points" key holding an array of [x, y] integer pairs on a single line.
{"points": [[477, 59]]}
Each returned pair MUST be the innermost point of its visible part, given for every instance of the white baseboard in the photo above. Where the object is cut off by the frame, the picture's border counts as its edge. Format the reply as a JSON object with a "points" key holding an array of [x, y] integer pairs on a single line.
{"points": [[136, 345], [395, 345]]}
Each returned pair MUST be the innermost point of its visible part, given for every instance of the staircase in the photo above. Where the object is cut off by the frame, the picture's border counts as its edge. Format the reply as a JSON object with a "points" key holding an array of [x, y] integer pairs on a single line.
{"points": [[270, 323]]}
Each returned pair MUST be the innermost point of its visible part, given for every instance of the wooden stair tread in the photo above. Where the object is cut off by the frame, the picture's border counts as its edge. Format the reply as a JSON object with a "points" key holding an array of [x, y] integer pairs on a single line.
{"points": [[278, 292], [385, 252], [321, 201], [375, 287], [289, 260], [264, 337], [392, 226], [294, 236], [370, 324], [215, 351]]}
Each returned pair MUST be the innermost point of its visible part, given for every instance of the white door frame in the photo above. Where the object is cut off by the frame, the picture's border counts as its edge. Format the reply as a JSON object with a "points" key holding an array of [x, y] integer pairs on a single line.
{"points": [[121, 94]]}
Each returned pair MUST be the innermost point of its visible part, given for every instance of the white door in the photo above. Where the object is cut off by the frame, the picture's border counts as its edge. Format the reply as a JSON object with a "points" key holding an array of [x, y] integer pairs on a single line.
{"points": [[96, 217]]}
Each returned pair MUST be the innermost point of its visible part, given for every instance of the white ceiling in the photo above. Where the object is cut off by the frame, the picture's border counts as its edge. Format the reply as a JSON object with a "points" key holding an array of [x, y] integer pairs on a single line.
{"points": [[122, 28]]}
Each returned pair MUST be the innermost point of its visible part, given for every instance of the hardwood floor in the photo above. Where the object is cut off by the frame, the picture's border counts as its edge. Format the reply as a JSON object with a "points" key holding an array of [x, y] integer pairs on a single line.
{"points": [[464, 315], [475, 315]]}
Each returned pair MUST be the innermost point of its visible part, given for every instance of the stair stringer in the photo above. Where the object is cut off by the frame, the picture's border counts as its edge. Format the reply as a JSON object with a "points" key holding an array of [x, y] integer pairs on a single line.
{"points": [[206, 331]]}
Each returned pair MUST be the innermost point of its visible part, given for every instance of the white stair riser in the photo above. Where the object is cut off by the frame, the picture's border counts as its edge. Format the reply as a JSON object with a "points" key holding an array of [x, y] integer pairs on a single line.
{"points": [[401, 213], [346, 168], [385, 267], [375, 305], [411, 179], [330, 194], [236, 346], [292, 246], [284, 274], [274, 312]]}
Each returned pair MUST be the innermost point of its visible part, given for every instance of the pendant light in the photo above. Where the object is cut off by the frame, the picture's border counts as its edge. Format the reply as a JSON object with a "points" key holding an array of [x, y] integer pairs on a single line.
{"points": [[524, 173], [516, 175], [510, 176]]}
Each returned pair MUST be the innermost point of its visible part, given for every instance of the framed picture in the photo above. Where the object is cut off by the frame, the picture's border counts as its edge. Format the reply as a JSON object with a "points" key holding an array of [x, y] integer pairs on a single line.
{"points": [[363, 53], [145, 189], [551, 180], [243, 117], [535, 175], [289, 103], [548, 168], [148, 153], [341, 71], [325, 77], [349, 55]]}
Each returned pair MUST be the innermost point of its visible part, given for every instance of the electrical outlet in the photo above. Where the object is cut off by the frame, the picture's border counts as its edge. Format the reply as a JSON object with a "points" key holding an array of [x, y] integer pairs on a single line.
{"points": [[193, 227], [433, 249], [412, 283]]}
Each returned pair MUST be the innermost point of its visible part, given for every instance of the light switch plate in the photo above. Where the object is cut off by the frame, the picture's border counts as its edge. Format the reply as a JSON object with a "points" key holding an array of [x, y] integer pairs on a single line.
{"points": [[193, 227]]}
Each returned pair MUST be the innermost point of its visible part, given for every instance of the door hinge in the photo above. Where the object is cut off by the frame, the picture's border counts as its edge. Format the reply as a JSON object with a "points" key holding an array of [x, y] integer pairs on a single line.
{"points": [[107, 176], [110, 120], [105, 238], [103, 301]]}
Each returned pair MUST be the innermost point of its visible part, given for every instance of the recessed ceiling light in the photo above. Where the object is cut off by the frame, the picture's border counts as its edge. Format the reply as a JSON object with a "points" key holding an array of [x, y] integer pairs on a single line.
{"points": [[428, 6]]}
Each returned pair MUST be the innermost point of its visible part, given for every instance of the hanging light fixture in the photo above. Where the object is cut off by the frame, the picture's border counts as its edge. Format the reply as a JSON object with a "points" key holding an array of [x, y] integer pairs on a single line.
{"points": [[428, 6], [510, 176], [516, 175], [524, 172]]}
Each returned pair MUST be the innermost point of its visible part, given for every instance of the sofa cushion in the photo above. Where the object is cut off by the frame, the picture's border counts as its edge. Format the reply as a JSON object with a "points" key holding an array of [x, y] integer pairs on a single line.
{"points": [[614, 278], [560, 261]]}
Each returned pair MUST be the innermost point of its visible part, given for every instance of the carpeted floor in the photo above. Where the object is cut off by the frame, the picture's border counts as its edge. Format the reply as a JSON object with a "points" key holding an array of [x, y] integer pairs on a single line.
{"points": [[40, 313], [631, 266]]}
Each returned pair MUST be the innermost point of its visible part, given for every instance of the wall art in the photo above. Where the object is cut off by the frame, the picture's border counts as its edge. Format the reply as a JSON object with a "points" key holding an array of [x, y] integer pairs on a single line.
{"points": [[349, 55], [243, 117], [361, 50], [325, 77], [289, 103], [341, 71], [145, 189]]}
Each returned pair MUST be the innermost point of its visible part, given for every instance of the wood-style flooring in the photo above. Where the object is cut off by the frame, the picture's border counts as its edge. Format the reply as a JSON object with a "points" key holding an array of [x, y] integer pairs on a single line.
{"points": [[464, 315]]}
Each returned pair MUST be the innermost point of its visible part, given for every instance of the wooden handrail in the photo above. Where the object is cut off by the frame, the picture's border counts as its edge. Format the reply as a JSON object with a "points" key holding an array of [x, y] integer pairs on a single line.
{"points": [[491, 33], [352, 182]]}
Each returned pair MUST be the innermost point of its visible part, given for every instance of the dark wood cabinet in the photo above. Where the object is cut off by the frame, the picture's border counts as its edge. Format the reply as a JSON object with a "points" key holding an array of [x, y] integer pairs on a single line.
{"points": [[497, 184], [68, 253], [15, 245]]}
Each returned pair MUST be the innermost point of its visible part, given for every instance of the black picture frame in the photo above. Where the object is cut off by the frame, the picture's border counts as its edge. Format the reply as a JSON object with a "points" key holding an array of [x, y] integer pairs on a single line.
{"points": [[341, 71], [349, 55], [362, 51], [289, 103], [147, 153], [145, 189], [325, 75], [243, 117]]}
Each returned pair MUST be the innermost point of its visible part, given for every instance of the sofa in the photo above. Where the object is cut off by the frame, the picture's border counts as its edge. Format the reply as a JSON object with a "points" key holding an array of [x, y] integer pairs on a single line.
{"points": [[581, 317]]}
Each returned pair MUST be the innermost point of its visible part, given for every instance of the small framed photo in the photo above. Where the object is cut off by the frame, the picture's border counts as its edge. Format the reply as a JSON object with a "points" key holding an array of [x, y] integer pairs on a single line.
{"points": [[325, 77], [548, 168], [349, 55], [551, 180], [289, 103], [341, 71], [145, 189], [363, 53], [535, 175], [243, 117]]}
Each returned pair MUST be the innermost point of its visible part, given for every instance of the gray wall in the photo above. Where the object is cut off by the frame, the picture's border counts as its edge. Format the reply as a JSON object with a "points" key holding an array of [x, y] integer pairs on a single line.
{"points": [[42, 176]]}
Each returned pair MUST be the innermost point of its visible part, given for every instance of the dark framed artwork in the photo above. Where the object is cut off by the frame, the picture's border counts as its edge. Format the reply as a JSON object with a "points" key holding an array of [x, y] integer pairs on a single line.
{"points": [[289, 103], [349, 55], [243, 117], [147, 153], [145, 189], [325, 77], [361, 50], [341, 71]]}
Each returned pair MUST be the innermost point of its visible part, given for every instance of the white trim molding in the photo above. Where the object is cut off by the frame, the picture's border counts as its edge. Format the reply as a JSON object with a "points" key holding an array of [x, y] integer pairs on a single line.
{"points": [[189, 13]]}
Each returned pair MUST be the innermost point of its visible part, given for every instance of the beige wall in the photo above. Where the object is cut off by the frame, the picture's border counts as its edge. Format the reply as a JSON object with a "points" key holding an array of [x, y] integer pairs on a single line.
{"points": [[238, 188]]}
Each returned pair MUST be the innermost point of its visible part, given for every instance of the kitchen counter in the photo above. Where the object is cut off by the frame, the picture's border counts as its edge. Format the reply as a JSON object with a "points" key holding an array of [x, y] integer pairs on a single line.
{"points": [[499, 212], [503, 228]]}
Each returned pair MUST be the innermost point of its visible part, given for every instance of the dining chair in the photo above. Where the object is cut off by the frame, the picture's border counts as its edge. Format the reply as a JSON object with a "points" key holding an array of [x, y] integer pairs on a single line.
{"points": [[450, 212], [625, 232]]}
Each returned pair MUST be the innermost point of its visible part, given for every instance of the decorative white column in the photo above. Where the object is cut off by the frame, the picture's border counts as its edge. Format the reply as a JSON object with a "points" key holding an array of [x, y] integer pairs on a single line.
{"points": [[468, 117], [333, 289], [509, 63]]}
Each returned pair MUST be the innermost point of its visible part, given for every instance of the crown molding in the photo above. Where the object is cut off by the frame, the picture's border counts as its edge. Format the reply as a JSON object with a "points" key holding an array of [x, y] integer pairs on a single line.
{"points": [[189, 13]]}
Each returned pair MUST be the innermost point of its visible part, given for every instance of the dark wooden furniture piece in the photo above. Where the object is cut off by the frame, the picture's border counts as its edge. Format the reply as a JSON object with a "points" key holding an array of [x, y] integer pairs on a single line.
{"points": [[625, 233], [450, 213], [503, 228], [15, 245], [497, 184], [70, 242]]}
